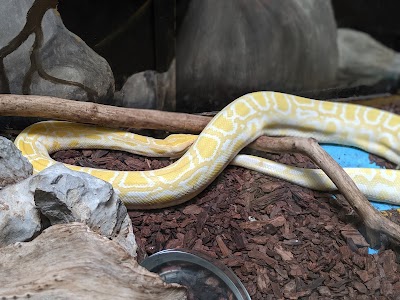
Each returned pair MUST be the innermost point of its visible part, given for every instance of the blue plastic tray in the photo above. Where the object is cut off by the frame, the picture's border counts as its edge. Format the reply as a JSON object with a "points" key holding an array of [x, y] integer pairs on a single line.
{"points": [[352, 157]]}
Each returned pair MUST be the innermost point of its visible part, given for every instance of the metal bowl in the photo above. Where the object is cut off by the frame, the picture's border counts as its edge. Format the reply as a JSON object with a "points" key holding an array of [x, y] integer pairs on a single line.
{"points": [[204, 277]]}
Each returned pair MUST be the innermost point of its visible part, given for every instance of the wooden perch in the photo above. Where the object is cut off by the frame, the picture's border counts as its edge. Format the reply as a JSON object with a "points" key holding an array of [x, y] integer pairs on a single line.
{"points": [[69, 261], [98, 114], [84, 112]]}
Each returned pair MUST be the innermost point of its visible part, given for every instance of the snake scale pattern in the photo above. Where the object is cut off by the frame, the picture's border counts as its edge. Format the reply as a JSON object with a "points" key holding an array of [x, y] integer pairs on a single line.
{"points": [[234, 127]]}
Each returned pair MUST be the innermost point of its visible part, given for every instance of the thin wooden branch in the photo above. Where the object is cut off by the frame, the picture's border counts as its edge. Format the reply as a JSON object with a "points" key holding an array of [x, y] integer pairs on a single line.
{"points": [[99, 114], [372, 218]]}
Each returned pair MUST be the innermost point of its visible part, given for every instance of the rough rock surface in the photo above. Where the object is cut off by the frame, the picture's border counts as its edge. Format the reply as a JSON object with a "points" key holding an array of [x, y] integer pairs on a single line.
{"points": [[365, 61], [228, 48], [150, 90], [139, 91], [63, 196], [38, 55], [19, 219], [60, 195], [70, 261], [13, 166]]}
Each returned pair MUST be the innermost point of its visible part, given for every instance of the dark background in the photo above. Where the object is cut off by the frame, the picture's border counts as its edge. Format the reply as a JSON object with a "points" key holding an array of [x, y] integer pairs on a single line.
{"points": [[138, 35]]}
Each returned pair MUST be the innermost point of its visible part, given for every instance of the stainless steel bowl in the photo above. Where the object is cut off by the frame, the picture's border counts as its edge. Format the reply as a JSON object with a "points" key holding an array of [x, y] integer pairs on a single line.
{"points": [[204, 277]]}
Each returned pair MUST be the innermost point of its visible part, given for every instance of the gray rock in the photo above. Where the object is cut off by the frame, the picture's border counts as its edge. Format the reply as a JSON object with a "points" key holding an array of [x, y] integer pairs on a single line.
{"points": [[126, 237], [139, 91], [149, 89], [14, 167], [365, 61], [41, 56], [64, 196], [19, 219], [228, 48]]}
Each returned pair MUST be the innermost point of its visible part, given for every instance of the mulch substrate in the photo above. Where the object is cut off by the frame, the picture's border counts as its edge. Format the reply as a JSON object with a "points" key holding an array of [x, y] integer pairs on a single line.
{"points": [[283, 241]]}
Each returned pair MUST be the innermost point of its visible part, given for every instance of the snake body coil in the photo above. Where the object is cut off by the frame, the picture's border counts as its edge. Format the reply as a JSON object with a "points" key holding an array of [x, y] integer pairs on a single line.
{"points": [[237, 125]]}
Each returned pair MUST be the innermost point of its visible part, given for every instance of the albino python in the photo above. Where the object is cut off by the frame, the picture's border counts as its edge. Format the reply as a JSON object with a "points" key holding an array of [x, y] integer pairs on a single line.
{"points": [[237, 125]]}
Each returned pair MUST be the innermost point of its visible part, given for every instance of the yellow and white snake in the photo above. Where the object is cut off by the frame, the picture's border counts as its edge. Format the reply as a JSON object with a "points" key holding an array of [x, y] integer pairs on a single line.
{"points": [[237, 125]]}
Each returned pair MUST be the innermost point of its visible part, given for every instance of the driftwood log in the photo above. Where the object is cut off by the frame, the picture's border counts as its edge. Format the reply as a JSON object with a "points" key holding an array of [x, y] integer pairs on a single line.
{"points": [[84, 112], [69, 261]]}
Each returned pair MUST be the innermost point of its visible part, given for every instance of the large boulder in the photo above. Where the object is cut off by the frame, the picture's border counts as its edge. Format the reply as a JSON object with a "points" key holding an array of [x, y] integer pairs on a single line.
{"points": [[40, 56], [227, 48]]}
